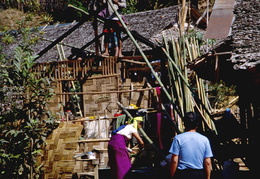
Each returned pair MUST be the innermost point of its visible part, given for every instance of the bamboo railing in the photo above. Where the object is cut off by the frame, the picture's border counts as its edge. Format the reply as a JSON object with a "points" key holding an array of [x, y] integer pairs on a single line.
{"points": [[76, 69]]}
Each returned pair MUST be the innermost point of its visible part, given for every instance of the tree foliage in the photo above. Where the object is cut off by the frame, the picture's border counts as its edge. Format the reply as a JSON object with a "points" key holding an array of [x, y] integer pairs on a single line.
{"points": [[222, 93], [22, 5], [25, 121]]}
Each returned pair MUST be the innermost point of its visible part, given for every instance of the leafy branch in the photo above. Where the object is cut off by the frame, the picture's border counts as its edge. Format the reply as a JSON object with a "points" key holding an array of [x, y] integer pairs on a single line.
{"points": [[25, 120]]}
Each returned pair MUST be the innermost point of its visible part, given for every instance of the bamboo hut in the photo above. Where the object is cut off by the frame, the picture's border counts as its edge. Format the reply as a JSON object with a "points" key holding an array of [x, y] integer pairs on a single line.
{"points": [[153, 76]]}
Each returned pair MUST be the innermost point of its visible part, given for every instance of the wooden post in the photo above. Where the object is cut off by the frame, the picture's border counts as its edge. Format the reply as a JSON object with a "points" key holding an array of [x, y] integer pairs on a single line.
{"points": [[95, 26]]}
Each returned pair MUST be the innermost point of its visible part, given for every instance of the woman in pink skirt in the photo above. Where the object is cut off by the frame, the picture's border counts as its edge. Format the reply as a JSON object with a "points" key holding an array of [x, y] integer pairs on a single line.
{"points": [[119, 159]]}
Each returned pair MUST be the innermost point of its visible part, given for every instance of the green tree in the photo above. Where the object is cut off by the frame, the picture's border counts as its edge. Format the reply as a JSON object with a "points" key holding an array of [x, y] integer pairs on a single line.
{"points": [[131, 7], [22, 5], [25, 121], [221, 93]]}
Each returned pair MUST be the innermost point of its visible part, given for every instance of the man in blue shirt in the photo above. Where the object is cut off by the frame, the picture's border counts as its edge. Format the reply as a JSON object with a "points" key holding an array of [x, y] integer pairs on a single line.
{"points": [[191, 152]]}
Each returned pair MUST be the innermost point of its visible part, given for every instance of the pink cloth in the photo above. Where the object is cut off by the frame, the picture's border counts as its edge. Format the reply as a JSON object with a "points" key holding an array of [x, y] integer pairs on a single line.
{"points": [[119, 159], [159, 116]]}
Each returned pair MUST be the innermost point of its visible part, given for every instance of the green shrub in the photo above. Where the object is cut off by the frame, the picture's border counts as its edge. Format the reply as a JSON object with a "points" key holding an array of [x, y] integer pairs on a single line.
{"points": [[25, 120]]}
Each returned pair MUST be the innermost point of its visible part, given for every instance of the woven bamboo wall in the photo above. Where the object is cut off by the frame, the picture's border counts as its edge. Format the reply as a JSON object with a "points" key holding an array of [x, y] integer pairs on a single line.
{"points": [[63, 144], [140, 99], [106, 103], [55, 103], [61, 147], [97, 104]]}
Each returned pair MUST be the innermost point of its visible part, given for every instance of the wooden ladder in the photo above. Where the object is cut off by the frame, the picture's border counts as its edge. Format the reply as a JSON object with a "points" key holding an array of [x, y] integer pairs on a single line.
{"points": [[74, 98], [75, 101]]}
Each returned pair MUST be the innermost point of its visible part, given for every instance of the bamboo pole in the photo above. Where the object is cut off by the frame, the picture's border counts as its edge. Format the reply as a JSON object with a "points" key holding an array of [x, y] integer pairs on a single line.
{"points": [[84, 12], [59, 39], [143, 132], [176, 89], [176, 78], [185, 71], [59, 52], [81, 10], [105, 92]]}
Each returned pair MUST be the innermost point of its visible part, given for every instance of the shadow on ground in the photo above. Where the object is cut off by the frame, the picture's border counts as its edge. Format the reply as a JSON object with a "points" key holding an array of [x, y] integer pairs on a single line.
{"points": [[149, 173]]}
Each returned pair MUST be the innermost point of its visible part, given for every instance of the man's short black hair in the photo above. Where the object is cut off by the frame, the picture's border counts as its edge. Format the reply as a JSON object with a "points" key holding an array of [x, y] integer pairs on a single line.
{"points": [[191, 121]]}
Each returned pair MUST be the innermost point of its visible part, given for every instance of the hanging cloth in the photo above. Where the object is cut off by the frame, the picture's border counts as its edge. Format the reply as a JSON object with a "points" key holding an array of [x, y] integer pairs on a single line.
{"points": [[159, 116], [120, 120]]}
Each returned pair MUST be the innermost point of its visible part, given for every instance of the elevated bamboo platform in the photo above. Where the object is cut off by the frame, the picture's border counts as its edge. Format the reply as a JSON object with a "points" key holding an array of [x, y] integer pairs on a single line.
{"points": [[72, 70]]}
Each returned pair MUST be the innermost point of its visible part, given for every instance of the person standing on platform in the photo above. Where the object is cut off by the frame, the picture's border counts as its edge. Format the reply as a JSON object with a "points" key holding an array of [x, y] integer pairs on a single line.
{"points": [[113, 28]]}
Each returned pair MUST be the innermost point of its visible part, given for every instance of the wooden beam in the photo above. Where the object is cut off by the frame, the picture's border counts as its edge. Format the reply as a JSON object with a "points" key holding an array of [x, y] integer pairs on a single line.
{"points": [[84, 119], [94, 140], [137, 57], [132, 61], [59, 39], [105, 92]]}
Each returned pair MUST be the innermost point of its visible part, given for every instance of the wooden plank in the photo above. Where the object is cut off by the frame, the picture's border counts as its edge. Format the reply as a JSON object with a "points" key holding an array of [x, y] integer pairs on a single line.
{"points": [[132, 61], [107, 92], [92, 160], [94, 140], [86, 173]]}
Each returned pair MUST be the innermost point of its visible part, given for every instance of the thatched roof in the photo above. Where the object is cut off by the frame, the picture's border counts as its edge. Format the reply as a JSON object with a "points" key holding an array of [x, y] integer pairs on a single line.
{"points": [[148, 24], [245, 34], [239, 51], [243, 41]]}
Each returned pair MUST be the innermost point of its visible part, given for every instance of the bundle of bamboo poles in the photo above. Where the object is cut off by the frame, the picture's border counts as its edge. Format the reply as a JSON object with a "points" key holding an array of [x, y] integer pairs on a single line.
{"points": [[186, 49]]}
